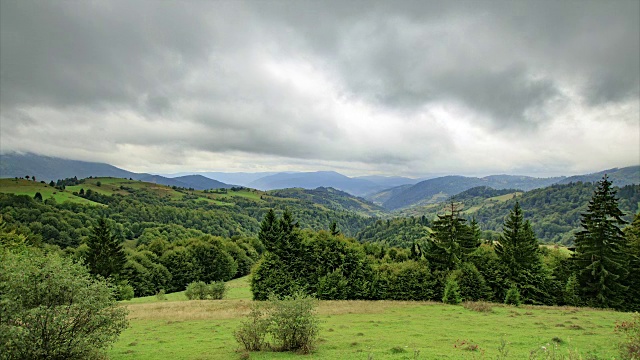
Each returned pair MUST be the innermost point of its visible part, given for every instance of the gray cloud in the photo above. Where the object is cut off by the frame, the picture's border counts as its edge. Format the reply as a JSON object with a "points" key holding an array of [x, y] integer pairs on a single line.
{"points": [[381, 86]]}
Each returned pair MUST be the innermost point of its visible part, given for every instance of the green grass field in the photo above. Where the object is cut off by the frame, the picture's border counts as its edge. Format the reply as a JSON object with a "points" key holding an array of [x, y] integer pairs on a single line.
{"points": [[30, 188], [181, 329]]}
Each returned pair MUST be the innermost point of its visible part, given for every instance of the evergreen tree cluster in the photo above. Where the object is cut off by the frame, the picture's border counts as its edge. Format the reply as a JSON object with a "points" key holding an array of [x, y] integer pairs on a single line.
{"points": [[455, 265]]}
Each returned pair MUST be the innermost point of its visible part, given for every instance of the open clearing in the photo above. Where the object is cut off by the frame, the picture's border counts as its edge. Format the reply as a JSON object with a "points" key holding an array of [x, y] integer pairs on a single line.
{"points": [[181, 329]]}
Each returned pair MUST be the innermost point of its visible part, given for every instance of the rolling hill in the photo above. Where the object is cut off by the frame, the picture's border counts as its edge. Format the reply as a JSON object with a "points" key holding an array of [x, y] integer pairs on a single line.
{"points": [[331, 199], [51, 168], [618, 176], [435, 190], [312, 180]]}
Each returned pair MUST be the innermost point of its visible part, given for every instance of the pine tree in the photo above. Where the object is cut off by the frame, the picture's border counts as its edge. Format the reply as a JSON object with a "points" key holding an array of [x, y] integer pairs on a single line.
{"points": [[632, 233], [519, 253], [601, 250], [451, 241], [268, 234], [105, 256]]}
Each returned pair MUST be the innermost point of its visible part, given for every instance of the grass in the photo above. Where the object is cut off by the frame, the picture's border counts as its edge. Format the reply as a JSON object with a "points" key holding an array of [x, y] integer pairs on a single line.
{"points": [[180, 329], [30, 188]]}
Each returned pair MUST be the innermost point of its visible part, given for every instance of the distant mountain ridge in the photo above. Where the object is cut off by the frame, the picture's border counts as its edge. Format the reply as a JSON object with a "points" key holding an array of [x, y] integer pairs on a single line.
{"points": [[380, 190], [50, 168], [313, 180], [434, 190], [618, 176]]}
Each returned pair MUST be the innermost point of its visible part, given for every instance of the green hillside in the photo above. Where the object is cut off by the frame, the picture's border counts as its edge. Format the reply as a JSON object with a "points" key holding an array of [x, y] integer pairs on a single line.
{"points": [[137, 206], [331, 199]]}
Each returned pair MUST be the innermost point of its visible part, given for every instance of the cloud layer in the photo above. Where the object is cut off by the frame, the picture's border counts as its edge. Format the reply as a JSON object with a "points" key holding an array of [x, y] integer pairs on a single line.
{"points": [[406, 88]]}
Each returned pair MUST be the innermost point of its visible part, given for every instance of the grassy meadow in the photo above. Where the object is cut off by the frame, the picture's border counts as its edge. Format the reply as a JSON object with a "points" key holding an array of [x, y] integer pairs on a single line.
{"points": [[30, 188], [179, 329]]}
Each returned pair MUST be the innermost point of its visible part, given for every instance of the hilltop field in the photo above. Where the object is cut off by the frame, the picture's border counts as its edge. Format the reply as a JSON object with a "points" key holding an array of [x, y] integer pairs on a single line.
{"points": [[203, 329]]}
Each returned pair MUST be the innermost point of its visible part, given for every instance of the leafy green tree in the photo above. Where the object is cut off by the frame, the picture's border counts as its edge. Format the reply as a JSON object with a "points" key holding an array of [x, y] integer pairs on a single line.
{"points": [[601, 250], [52, 308], [38, 197], [269, 231], [105, 255], [211, 259], [181, 265]]}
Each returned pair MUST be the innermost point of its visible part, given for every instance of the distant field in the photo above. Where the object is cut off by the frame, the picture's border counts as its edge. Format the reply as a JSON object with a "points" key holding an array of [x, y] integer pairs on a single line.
{"points": [[368, 330], [30, 188]]}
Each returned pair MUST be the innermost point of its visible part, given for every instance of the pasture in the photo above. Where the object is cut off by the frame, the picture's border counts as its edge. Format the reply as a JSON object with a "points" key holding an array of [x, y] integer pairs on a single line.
{"points": [[181, 329]]}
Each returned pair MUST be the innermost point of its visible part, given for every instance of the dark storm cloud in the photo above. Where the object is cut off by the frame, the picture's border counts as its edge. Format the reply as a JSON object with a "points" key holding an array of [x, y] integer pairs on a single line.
{"points": [[504, 59], [387, 84]]}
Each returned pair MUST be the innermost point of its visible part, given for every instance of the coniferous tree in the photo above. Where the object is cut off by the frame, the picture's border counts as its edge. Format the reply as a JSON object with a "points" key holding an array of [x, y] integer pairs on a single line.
{"points": [[105, 256], [632, 233], [451, 241], [519, 253], [268, 234], [601, 250]]}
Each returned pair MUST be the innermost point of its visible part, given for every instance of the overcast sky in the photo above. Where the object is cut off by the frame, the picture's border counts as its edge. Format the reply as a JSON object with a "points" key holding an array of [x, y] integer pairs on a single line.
{"points": [[360, 87]]}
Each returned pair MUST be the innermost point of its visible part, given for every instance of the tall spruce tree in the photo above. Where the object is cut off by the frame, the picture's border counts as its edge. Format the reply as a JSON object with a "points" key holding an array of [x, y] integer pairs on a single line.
{"points": [[632, 233], [601, 250], [452, 240], [269, 231], [519, 253], [105, 256]]}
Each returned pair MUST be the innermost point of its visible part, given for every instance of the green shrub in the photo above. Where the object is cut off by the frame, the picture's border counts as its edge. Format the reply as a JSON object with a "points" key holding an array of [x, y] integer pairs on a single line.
{"points": [[124, 291], [52, 308], [451, 292], [252, 332], [294, 325], [290, 322], [216, 290], [161, 295], [197, 290], [512, 297]]}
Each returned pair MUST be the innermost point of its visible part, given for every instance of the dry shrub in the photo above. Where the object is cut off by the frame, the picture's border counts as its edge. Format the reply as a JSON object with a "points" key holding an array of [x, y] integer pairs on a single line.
{"points": [[478, 306], [630, 347]]}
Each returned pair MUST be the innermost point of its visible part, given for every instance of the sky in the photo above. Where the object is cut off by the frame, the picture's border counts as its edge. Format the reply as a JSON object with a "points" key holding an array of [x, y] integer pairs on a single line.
{"points": [[406, 88]]}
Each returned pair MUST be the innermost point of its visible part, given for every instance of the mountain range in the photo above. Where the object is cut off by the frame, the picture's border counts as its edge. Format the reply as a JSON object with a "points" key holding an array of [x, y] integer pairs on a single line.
{"points": [[51, 169], [392, 193]]}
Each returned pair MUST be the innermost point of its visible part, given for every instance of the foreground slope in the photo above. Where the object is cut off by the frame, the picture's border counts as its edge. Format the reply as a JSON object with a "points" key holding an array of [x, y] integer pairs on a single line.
{"points": [[180, 329]]}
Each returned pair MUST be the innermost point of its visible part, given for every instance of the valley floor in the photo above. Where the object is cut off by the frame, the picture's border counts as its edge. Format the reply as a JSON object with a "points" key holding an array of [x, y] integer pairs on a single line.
{"points": [[180, 329]]}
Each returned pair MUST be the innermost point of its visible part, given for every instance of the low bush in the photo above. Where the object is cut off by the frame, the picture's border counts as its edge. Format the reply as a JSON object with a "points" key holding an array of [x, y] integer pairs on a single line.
{"points": [[451, 292], [161, 295], [196, 290], [630, 346], [199, 290], [290, 322], [479, 306], [252, 332], [216, 290], [124, 291], [513, 297], [52, 308], [294, 326]]}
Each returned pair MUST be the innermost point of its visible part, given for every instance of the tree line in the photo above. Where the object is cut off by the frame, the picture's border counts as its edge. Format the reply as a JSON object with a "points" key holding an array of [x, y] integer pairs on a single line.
{"points": [[455, 264]]}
